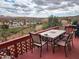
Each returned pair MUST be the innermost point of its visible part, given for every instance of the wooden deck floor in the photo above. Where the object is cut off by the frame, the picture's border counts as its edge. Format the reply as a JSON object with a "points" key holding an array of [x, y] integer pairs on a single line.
{"points": [[59, 54]]}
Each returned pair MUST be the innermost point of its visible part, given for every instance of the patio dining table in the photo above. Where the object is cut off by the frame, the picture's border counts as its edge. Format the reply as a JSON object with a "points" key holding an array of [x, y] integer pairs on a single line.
{"points": [[52, 34]]}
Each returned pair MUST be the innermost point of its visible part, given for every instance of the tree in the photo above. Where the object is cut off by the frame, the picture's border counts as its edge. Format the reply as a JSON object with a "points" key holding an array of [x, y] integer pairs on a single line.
{"points": [[50, 20], [53, 21]]}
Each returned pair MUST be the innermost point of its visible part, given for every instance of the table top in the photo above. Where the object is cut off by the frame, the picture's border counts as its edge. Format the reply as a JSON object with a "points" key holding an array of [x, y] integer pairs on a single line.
{"points": [[52, 33]]}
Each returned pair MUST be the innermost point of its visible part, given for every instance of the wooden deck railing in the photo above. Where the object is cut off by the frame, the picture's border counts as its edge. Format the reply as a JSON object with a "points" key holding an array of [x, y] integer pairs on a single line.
{"points": [[18, 46]]}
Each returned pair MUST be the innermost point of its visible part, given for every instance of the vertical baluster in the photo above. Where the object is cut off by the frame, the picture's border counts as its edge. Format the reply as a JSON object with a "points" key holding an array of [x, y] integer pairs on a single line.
{"points": [[16, 53], [31, 45], [21, 47], [26, 45]]}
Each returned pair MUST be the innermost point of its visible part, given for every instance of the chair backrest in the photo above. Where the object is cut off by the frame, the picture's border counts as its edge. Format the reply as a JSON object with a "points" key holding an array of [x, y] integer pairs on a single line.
{"points": [[36, 38], [70, 37], [69, 29]]}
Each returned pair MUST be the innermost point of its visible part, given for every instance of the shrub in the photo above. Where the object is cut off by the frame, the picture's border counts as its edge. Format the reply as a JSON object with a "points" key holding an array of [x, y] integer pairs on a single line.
{"points": [[74, 22], [45, 26], [4, 26]]}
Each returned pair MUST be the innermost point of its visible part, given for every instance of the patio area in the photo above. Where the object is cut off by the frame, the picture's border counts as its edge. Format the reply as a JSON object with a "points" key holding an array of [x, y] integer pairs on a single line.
{"points": [[39, 29], [59, 54], [20, 48]]}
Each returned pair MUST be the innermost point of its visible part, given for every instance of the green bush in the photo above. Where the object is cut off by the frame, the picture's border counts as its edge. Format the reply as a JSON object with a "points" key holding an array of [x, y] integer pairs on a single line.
{"points": [[74, 22], [45, 26], [4, 26], [4, 33]]}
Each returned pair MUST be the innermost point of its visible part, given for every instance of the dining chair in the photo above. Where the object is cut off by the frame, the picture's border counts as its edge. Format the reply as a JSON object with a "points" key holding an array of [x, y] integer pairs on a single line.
{"points": [[38, 42], [64, 42], [71, 37]]}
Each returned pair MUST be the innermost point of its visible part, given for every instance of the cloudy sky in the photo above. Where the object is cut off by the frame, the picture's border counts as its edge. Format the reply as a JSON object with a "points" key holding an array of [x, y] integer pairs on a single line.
{"points": [[39, 8]]}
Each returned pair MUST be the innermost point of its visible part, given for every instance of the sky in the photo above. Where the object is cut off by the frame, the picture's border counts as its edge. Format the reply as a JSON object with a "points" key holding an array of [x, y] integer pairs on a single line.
{"points": [[39, 8]]}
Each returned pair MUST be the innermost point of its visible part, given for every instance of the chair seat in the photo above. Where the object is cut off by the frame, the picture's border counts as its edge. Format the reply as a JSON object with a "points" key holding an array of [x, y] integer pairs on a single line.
{"points": [[38, 44], [64, 39], [65, 35], [62, 43]]}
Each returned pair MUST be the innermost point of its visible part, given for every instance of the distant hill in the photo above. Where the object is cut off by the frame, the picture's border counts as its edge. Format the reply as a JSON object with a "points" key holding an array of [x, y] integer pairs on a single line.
{"points": [[2, 18]]}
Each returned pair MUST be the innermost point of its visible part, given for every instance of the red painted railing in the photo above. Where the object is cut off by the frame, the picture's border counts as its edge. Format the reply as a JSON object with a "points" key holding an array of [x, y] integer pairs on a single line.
{"points": [[16, 46], [19, 45]]}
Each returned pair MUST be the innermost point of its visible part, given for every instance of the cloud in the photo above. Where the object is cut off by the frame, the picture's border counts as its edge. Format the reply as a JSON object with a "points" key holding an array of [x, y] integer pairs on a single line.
{"points": [[39, 8], [10, 1]]}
